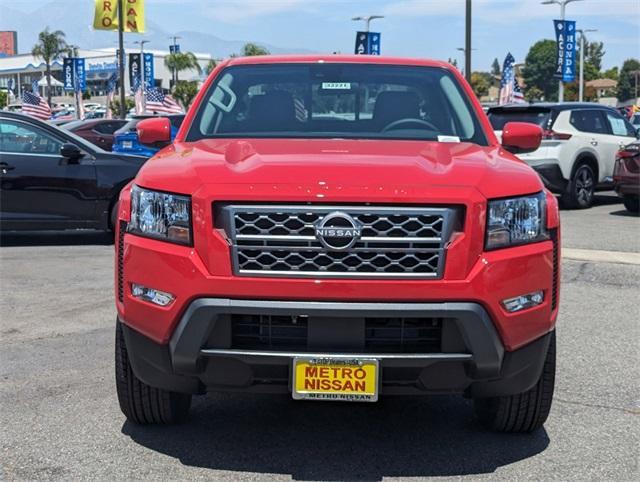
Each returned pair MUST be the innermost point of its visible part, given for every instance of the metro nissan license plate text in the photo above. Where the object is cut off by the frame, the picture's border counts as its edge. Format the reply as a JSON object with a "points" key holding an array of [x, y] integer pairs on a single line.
{"points": [[342, 379]]}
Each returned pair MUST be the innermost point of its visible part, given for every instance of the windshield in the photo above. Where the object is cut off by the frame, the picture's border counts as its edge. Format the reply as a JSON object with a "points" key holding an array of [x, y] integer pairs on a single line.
{"points": [[359, 101], [499, 117]]}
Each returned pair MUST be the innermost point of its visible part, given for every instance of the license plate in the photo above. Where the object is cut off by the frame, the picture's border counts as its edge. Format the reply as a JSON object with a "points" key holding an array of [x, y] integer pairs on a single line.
{"points": [[127, 144], [339, 379]]}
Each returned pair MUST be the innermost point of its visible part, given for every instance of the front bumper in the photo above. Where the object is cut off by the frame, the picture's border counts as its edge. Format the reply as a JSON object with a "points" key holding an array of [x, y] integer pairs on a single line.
{"points": [[200, 355]]}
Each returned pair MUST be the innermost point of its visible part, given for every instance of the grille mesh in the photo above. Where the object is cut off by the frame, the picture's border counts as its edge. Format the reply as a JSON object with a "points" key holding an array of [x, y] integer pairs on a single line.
{"points": [[393, 241], [381, 335]]}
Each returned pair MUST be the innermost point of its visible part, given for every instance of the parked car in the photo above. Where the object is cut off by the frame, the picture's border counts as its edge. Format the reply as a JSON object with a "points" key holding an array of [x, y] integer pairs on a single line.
{"points": [[99, 132], [13, 108], [126, 138], [52, 179], [296, 240], [578, 148], [626, 176]]}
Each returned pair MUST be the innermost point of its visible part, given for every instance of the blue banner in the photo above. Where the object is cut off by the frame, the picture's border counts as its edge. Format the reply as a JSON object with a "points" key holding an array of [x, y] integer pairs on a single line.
{"points": [[367, 43], [68, 72], [80, 75], [149, 80], [174, 49], [565, 50]]}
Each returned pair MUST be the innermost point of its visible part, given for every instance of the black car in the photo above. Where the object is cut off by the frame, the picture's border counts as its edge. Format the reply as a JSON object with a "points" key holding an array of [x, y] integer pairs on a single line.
{"points": [[52, 179]]}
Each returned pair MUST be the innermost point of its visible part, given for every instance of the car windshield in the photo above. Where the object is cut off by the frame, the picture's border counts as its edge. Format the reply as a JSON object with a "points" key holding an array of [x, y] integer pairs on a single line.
{"points": [[339, 100], [499, 117]]}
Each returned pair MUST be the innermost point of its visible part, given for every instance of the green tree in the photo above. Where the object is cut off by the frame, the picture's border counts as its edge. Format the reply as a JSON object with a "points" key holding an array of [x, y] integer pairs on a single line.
{"points": [[49, 48], [115, 106], [251, 49], [210, 66], [495, 67], [179, 61], [613, 73], [4, 99], [533, 94], [593, 53], [539, 68], [629, 82], [480, 84], [185, 91]]}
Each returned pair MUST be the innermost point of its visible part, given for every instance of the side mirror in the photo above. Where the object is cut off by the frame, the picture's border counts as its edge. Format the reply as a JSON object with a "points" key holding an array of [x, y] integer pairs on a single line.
{"points": [[156, 131], [71, 152], [521, 137]]}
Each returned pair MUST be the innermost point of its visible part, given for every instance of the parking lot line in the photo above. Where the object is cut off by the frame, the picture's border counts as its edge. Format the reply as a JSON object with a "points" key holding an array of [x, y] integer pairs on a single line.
{"points": [[600, 256]]}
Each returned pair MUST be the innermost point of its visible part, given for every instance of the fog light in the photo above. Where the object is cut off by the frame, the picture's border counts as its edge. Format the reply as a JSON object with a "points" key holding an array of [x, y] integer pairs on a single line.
{"points": [[523, 302], [156, 297]]}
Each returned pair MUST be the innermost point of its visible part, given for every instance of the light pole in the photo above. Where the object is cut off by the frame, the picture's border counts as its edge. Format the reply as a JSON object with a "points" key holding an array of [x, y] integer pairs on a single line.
{"points": [[142, 84], [367, 20], [563, 4], [173, 71], [467, 60], [467, 42], [581, 86]]}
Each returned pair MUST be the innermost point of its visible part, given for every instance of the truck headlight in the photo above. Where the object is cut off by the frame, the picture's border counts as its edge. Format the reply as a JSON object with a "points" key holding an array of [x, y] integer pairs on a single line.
{"points": [[160, 215], [515, 221]]}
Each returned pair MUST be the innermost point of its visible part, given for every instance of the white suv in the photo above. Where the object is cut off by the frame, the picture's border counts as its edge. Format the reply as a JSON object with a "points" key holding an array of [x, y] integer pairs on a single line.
{"points": [[578, 149]]}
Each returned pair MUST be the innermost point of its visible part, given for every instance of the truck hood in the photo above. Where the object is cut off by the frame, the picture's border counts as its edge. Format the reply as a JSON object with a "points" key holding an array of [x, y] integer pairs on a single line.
{"points": [[337, 164]]}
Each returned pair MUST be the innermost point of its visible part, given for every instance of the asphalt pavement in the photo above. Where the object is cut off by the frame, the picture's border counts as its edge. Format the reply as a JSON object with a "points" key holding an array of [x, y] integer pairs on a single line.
{"points": [[59, 417]]}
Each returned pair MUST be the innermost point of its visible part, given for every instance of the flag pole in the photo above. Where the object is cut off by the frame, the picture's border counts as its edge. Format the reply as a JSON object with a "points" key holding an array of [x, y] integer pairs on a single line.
{"points": [[123, 113]]}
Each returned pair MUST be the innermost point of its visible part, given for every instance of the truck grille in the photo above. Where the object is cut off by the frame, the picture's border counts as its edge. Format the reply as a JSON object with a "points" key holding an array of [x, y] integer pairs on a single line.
{"points": [[381, 335], [307, 241]]}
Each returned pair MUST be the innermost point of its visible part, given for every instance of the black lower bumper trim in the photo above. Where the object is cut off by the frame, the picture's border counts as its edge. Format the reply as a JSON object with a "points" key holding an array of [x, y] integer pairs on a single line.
{"points": [[552, 177], [189, 365]]}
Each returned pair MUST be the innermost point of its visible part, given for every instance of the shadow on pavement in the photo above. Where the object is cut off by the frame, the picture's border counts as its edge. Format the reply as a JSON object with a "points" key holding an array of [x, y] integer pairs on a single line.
{"points": [[333, 441], [56, 238], [602, 199], [624, 213]]}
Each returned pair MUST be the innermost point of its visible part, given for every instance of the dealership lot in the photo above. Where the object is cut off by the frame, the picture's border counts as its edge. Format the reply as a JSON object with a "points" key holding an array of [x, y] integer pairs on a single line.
{"points": [[60, 417]]}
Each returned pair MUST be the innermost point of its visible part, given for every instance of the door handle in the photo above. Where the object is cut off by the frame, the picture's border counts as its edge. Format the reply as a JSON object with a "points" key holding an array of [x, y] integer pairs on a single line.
{"points": [[4, 167], [594, 142]]}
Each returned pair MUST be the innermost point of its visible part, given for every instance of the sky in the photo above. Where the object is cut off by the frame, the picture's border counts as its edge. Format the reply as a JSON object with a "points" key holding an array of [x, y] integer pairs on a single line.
{"points": [[414, 28]]}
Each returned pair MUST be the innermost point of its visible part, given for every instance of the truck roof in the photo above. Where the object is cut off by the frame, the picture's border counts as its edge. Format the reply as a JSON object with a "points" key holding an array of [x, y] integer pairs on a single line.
{"points": [[337, 58]]}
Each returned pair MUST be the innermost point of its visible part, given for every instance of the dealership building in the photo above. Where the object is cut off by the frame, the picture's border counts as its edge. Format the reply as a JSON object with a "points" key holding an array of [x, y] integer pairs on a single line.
{"points": [[19, 71]]}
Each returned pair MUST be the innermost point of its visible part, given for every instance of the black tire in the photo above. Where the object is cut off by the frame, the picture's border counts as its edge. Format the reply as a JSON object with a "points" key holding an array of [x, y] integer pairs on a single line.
{"points": [[581, 188], [141, 403], [632, 204], [113, 217], [523, 412]]}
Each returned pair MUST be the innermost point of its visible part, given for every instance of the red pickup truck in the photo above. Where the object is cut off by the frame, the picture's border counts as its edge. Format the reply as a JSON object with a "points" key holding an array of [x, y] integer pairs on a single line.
{"points": [[337, 228]]}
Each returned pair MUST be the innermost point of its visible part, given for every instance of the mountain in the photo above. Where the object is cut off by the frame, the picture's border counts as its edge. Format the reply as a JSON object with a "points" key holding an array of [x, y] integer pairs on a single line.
{"points": [[56, 16]]}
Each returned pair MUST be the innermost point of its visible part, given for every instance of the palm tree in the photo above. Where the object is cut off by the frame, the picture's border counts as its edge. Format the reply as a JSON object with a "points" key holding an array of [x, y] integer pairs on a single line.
{"points": [[210, 66], [50, 46], [180, 61], [251, 49]]}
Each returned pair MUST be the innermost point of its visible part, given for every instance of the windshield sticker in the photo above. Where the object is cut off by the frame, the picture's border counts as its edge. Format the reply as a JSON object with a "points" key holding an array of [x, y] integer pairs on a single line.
{"points": [[336, 85], [448, 139]]}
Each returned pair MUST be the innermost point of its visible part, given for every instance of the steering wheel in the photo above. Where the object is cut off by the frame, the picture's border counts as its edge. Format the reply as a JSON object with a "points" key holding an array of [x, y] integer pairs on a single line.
{"points": [[409, 120]]}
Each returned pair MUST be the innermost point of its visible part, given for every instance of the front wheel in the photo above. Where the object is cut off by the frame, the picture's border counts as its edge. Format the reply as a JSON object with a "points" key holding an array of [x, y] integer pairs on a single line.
{"points": [[523, 412], [141, 403], [581, 188], [632, 204]]}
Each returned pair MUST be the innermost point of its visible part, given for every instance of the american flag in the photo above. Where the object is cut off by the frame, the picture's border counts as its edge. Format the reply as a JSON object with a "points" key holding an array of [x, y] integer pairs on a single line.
{"points": [[111, 88], [510, 91], [34, 105], [160, 103]]}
